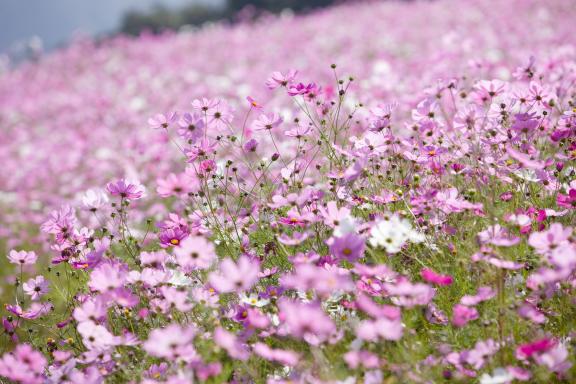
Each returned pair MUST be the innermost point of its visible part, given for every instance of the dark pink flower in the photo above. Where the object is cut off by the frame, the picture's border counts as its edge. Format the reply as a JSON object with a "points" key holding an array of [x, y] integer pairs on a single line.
{"points": [[432, 277]]}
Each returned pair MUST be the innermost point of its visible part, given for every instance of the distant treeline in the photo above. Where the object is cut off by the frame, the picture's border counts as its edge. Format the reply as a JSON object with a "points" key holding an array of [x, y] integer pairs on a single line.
{"points": [[161, 18]]}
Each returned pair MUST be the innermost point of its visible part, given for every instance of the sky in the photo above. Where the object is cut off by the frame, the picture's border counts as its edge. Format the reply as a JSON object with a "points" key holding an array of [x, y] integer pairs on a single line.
{"points": [[56, 21]]}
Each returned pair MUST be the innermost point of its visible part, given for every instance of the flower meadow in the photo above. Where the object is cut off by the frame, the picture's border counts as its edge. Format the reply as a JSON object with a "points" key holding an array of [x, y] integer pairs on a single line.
{"points": [[379, 192]]}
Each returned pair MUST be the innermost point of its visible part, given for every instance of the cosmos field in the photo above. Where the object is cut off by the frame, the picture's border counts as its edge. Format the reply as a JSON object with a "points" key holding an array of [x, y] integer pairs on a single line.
{"points": [[377, 192]]}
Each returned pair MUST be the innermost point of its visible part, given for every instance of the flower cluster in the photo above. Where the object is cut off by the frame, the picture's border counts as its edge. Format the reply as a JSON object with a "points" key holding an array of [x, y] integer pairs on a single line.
{"points": [[298, 234]]}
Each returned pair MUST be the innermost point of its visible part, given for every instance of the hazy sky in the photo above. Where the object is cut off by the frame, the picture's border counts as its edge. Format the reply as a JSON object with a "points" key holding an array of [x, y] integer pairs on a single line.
{"points": [[54, 21]]}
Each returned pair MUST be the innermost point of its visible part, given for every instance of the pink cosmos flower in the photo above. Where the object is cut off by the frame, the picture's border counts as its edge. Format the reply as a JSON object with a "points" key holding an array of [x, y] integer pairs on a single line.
{"points": [[299, 131], [35, 310], [525, 123], [548, 240], [175, 299], [195, 252], [205, 105], [267, 122], [94, 310], [407, 294], [297, 238], [564, 256], [382, 328], [538, 94], [94, 199], [488, 89], [23, 365], [162, 121], [497, 235], [36, 288], [282, 356], [220, 116], [296, 219], [96, 337], [231, 344], [361, 358], [348, 247], [253, 102], [306, 321], [333, 215], [126, 189], [277, 79], [172, 343], [173, 236], [532, 313], [462, 315], [525, 160], [556, 359], [192, 126], [483, 294], [235, 277], [107, 277], [22, 257], [61, 222], [366, 304], [207, 167], [323, 280], [175, 185], [10, 327]]}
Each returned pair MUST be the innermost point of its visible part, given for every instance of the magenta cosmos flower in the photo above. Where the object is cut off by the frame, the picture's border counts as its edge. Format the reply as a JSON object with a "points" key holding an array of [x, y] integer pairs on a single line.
{"points": [[126, 189]]}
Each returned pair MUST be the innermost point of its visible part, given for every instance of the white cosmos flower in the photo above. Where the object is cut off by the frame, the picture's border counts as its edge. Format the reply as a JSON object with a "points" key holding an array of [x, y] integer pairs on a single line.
{"points": [[345, 226], [500, 376], [253, 300], [392, 233], [179, 279]]}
